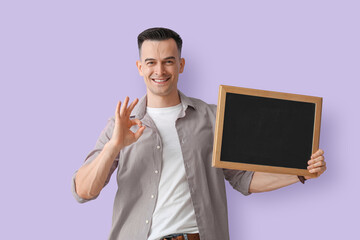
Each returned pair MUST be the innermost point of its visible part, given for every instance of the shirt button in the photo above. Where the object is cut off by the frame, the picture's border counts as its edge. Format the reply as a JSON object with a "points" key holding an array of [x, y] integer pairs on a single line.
{"points": [[158, 147], [147, 221], [156, 171], [152, 196]]}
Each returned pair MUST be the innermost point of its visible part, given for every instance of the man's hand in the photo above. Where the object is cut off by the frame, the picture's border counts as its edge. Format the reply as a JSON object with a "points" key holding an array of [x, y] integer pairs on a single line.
{"points": [[316, 164], [122, 135]]}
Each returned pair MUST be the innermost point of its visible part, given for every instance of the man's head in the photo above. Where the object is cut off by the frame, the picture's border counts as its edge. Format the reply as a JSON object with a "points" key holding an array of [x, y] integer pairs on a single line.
{"points": [[160, 64], [159, 34]]}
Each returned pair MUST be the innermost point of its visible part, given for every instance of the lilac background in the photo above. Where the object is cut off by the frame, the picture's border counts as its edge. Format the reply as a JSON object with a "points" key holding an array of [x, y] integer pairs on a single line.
{"points": [[64, 64]]}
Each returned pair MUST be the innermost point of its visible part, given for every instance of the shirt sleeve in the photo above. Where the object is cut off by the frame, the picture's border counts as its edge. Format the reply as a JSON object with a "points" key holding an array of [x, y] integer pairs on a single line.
{"points": [[100, 143], [239, 180]]}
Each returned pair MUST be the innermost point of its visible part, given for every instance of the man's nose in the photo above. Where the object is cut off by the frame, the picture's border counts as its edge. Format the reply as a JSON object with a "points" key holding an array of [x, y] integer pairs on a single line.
{"points": [[159, 70]]}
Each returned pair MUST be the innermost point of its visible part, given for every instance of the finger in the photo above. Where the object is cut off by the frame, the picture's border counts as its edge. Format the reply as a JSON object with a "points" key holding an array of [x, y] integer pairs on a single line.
{"points": [[131, 107], [117, 111], [318, 159], [317, 164], [318, 170], [123, 108], [317, 153], [139, 132], [136, 122]]}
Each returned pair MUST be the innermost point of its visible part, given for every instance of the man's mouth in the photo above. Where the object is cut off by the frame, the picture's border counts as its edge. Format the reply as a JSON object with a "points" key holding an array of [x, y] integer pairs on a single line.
{"points": [[160, 80]]}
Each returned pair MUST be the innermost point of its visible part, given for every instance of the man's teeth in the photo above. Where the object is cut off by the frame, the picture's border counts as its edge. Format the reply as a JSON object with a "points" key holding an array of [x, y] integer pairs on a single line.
{"points": [[158, 80]]}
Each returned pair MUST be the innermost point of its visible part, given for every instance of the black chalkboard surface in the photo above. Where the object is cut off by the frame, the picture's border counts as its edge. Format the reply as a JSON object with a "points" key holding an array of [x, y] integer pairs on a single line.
{"points": [[266, 131]]}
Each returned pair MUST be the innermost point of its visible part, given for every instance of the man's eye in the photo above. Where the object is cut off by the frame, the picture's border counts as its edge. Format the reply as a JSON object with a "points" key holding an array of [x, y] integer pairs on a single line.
{"points": [[150, 63], [169, 62]]}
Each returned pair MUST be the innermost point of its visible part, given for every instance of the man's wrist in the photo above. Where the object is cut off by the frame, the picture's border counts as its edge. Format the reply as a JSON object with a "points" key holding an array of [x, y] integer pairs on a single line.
{"points": [[113, 147]]}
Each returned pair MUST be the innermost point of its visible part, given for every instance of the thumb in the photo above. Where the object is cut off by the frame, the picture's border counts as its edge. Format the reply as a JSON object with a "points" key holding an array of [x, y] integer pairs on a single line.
{"points": [[139, 132]]}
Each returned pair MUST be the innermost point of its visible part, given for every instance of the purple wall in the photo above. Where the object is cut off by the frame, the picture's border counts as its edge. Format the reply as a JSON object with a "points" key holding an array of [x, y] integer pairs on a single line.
{"points": [[64, 64]]}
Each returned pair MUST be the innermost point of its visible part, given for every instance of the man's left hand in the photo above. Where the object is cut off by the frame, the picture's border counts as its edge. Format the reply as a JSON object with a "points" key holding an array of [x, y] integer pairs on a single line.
{"points": [[316, 164]]}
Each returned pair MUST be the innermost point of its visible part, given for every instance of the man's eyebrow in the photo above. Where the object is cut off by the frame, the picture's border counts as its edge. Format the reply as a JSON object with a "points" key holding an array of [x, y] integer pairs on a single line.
{"points": [[167, 58], [149, 59]]}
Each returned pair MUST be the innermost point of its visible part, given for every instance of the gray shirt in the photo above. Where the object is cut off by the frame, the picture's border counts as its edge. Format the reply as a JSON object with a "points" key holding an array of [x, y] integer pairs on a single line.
{"points": [[139, 168]]}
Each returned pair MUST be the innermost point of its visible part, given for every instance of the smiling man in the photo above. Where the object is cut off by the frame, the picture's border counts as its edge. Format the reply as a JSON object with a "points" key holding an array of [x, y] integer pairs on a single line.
{"points": [[160, 64], [161, 147]]}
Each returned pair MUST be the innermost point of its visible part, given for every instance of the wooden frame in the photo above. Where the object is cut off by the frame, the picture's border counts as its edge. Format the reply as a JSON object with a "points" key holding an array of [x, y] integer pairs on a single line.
{"points": [[218, 139]]}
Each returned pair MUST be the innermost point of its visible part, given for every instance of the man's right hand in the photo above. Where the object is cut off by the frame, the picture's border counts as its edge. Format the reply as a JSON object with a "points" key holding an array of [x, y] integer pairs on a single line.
{"points": [[122, 135], [91, 178]]}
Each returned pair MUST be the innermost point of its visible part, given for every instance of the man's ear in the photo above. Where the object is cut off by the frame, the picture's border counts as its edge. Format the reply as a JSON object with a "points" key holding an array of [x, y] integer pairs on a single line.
{"points": [[182, 65], [139, 66]]}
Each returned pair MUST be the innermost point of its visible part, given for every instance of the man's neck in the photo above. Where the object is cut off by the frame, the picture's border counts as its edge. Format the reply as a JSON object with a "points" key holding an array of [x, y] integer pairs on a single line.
{"points": [[156, 101]]}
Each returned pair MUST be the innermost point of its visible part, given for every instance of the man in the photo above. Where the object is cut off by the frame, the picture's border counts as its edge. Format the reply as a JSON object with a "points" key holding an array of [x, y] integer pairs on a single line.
{"points": [[162, 147]]}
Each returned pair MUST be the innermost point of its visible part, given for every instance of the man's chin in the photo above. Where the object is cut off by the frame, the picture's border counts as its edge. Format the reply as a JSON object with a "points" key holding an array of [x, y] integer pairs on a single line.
{"points": [[162, 92]]}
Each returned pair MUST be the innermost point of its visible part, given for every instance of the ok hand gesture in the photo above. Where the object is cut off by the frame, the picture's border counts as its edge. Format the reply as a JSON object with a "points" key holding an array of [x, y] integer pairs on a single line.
{"points": [[122, 135]]}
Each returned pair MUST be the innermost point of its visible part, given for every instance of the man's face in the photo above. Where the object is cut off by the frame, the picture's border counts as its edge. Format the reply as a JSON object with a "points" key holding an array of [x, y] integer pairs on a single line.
{"points": [[160, 65]]}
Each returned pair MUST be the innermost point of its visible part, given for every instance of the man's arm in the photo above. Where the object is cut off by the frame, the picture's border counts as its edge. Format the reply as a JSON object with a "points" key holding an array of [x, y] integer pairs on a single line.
{"points": [[263, 182], [90, 179]]}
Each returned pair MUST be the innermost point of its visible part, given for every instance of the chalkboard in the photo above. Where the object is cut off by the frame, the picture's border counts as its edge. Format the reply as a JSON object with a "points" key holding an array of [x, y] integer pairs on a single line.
{"points": [[266, 131]]}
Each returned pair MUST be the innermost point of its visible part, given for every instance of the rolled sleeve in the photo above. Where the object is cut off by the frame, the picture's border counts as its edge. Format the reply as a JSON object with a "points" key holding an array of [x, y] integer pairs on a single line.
{"points": [[239, 180], [74, 193], [100, 143]]}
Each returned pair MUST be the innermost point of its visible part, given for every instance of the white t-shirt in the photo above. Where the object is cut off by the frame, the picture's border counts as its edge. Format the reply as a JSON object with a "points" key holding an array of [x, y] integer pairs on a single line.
{"points": [[174, 211]]}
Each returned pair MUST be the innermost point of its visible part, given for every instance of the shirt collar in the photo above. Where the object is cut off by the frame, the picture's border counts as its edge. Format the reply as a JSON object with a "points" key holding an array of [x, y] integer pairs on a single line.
{"points": [[140, 109]]}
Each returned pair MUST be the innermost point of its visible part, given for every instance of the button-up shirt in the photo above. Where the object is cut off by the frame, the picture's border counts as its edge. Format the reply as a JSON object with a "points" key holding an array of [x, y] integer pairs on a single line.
{"points": [[139, 168]]}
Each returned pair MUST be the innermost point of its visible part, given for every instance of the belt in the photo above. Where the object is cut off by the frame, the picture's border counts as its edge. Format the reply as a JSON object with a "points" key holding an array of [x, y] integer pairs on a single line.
{"points": [[190, 236]]}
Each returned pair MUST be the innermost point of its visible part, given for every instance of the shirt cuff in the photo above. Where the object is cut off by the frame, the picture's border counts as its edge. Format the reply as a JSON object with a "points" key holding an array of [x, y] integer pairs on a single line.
{"points": [[244, 187], [76, 196]]}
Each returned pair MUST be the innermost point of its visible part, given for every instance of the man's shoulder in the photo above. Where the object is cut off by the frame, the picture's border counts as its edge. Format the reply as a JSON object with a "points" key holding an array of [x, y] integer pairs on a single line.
{"points": [[203, 106]]}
